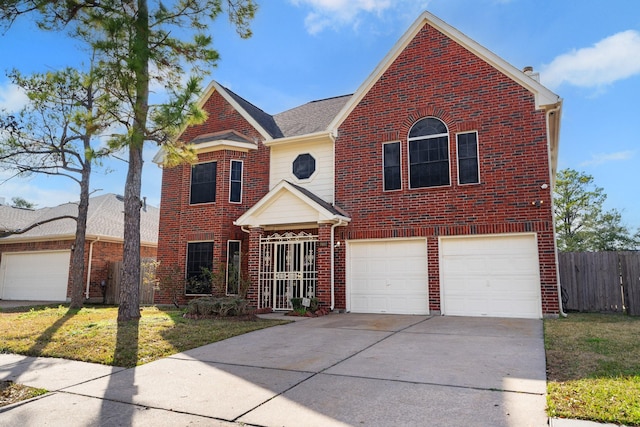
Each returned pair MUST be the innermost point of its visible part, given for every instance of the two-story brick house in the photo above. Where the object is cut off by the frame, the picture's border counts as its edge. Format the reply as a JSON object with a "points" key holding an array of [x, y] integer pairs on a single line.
{"points": [[427, 190]]}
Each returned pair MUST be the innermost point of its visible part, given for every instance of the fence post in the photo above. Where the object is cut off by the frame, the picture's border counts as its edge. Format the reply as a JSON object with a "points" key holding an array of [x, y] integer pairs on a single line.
{"points": [[630, 273]]}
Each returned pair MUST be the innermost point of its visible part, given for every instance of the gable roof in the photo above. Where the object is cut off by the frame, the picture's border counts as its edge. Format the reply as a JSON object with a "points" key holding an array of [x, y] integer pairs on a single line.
{"points": [[545, 99], [265, 120], [543, 96], [105, 219], [326, 115], [287, 204]]}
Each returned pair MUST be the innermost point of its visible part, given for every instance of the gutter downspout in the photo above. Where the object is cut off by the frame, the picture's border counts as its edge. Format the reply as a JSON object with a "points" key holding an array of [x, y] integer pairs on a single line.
{"points": [[555, 244], [333, 259], [86, 294]]}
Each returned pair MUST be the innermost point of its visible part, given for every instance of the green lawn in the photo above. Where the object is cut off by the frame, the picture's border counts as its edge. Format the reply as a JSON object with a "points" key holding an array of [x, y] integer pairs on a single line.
{"points": [[593, 367], [92, 334]]}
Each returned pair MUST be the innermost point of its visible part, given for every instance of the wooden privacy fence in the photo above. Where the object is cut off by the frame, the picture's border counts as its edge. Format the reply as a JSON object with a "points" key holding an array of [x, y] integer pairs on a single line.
{"points": [[601, 281], [147, 284]]}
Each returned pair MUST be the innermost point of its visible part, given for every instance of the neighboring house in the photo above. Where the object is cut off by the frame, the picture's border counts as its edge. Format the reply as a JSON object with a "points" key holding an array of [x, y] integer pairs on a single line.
{"points": [[36, 265], [428, 190]]}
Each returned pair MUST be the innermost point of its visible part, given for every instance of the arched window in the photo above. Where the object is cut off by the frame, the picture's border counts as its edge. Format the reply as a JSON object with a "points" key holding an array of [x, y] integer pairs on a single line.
{"points": [[428, 153]]}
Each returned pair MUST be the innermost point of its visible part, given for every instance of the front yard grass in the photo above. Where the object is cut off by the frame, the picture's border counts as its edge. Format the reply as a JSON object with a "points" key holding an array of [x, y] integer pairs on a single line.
{"points": [[593, 367], [92, 333]]}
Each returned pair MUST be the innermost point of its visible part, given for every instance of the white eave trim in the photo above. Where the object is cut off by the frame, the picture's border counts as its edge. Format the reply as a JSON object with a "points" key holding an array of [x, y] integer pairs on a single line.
{"points": [[224, 144], [330, 216], [216, 86], [543, 96], [323, 136]]}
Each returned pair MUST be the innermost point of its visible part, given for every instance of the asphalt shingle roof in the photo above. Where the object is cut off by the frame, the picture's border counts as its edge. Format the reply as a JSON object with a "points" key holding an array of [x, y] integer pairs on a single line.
{"points": [[314, 116], [264, 119], [311, 117], [326, 205], [105, 219]]}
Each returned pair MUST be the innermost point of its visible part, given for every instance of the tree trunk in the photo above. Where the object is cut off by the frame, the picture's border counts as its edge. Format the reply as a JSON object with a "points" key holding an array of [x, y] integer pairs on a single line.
{"points": [[77, 257], [130, 286]]}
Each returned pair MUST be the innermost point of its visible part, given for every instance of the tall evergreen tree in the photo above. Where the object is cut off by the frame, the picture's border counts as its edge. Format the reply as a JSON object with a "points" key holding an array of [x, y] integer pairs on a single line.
{"points": [[582, 224], [137, 45]]}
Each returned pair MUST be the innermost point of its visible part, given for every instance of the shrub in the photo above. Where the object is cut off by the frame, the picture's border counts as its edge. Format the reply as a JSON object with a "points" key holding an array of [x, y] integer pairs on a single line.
{"points": [[218, 307]]}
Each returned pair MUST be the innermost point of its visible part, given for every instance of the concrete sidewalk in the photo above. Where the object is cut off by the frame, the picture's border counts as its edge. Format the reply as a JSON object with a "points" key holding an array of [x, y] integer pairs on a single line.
{"points": [[337, 370]]}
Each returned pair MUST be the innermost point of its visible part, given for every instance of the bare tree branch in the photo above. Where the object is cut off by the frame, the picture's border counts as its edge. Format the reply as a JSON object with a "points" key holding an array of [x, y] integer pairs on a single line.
{"points": [[6, 233]]}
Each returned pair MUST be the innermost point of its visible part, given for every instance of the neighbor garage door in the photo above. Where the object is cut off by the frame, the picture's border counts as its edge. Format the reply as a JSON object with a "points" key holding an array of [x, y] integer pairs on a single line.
{"points": [[387, 276], [35, 276], [494, 276]]}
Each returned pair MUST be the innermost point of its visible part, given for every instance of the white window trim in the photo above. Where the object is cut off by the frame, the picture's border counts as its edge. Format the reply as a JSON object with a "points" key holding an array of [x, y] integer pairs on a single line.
{"points": [[477, 157], [241, 179], [400, 153], [418, 138], [239, 266], [186, 262], [191, 182]]}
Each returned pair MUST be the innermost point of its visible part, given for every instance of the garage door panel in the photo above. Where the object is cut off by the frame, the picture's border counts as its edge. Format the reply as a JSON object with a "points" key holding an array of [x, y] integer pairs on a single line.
{"points": [[388, 276], [490, 276], [36, 276]]}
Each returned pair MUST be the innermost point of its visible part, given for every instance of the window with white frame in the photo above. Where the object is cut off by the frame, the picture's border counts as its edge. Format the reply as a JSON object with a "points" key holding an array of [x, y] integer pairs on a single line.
{"points": [[428, 153], [233, 267], [468, 164], [199, 261], [235, 181], [203, 183], [391, 166]]}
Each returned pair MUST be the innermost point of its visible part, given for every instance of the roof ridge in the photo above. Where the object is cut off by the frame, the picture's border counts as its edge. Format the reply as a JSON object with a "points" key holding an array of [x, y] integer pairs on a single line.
{"points": [[329, 98]]}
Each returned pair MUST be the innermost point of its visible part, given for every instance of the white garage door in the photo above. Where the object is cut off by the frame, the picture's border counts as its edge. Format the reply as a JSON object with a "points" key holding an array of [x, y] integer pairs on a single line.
{"points": [[35, 276], [387, 276], [495, 276]]}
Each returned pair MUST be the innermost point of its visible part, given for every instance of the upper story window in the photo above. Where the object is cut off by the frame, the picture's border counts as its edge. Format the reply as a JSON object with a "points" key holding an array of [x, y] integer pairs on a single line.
{"points": [[199, 258], [304, 166], [391, 166], [235, 182], [203, 183], [428, 153], [468, 166]]}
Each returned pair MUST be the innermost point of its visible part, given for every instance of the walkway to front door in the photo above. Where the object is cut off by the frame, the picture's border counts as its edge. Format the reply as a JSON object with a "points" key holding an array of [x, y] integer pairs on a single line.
{"points": [[287, 269]]}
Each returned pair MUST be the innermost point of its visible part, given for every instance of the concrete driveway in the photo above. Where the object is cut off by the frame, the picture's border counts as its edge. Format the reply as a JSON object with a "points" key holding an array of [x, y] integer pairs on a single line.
{"points": [[337, 370]]}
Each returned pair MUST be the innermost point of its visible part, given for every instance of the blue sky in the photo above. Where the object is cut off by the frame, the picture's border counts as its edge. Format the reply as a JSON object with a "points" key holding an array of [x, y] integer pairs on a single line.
{"points": [[587, 51]]}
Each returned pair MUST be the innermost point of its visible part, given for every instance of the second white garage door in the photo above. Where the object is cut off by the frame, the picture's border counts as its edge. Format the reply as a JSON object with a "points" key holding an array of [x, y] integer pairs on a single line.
{"points": [[34, 276], [495, 276], [387, 276]]}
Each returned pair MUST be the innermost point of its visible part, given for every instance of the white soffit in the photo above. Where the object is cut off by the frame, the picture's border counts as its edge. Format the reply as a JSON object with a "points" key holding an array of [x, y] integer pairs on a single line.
{"points": [[284, 204]]}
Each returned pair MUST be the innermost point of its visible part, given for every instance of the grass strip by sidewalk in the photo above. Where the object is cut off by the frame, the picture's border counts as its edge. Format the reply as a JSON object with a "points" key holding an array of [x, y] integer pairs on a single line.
{"points": [[11, 392], [92, 333], [593, 367]]}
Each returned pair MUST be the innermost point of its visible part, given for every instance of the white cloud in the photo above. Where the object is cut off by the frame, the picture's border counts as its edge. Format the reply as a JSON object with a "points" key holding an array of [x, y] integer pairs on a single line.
{"points": [[41, 191], [614, 58], [12, 98], [598, 159], [337, 13]]}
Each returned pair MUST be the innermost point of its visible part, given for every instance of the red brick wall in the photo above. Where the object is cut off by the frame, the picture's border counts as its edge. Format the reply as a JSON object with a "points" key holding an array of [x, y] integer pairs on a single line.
{"points": [[181, 223], [434, 76], [103, 254]]}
